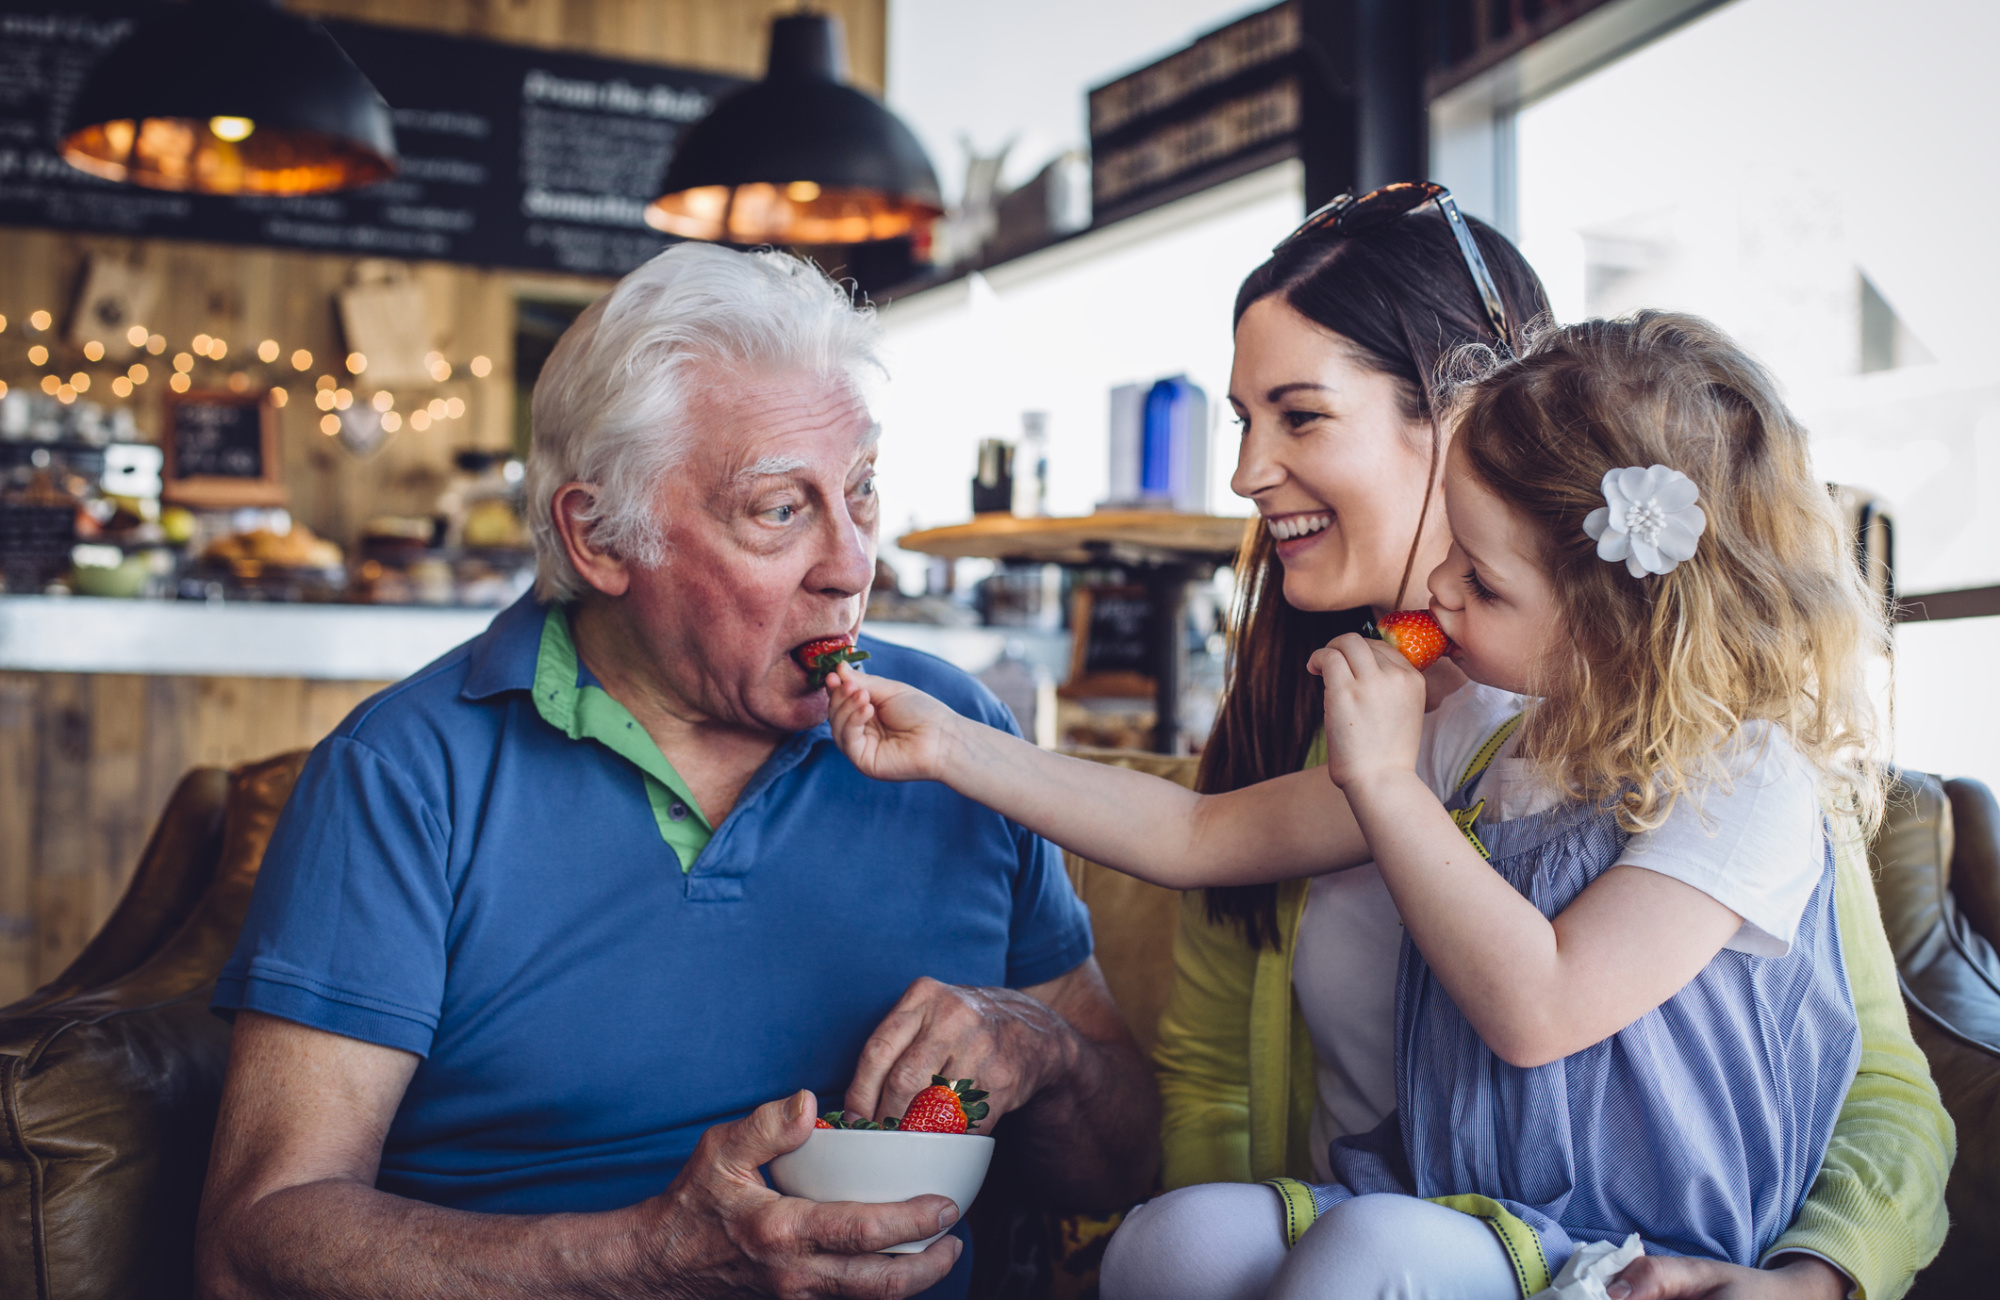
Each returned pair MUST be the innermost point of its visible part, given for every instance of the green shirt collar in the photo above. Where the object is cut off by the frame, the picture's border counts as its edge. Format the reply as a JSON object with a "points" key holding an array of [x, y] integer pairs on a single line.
{"points": [[587, 712]]}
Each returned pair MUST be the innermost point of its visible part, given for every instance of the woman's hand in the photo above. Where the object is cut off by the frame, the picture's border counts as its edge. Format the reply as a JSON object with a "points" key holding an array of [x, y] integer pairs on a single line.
{"points": [[1374, 708], [890, 731]]}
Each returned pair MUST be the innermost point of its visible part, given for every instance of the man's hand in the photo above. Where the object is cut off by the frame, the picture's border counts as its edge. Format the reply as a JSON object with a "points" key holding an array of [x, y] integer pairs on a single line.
{"points": [[1659, 1277], [292, 1208], [1058, 1051], [722, 1232], [1009, 1043]]}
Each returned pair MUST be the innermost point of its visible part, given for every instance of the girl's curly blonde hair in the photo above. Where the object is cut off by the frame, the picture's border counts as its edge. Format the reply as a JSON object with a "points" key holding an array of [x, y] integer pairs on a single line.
{"points": [[1654, 677]]}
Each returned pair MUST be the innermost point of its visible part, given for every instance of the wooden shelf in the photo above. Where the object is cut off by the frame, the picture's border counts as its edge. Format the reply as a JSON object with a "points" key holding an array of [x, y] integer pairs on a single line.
{"points": [[1107, 537]]}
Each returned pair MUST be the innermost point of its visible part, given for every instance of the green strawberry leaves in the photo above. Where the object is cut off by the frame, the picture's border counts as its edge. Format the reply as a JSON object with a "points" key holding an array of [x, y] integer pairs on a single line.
{"points": [[970, 1099], [822, 664]]}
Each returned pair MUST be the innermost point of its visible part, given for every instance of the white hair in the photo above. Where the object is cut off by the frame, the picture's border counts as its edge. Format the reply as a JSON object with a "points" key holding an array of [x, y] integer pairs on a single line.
{"points": [[612, 405]]}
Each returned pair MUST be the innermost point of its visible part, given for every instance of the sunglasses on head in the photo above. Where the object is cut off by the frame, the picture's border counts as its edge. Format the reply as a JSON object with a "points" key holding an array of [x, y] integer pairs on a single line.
{"points": [[1348, 215]]}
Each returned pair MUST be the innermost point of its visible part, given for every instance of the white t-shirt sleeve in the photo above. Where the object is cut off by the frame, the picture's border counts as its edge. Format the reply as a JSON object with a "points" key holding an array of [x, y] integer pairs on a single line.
{"points": [[1754, 846], [1456, 728]]}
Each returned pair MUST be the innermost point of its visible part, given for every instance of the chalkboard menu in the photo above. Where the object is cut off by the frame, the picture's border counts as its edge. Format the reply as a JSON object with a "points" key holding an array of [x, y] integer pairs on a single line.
{"points": [[512, 156], [221, 450], [1110, 653]]}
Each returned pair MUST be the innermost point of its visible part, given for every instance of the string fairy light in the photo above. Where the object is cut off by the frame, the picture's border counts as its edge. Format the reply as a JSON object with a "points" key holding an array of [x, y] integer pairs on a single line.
{"points": [[330, 395]]}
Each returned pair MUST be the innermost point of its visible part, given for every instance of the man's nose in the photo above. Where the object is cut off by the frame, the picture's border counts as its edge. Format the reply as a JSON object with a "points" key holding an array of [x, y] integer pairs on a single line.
{"points": [[1257, 467], [846, 565]]}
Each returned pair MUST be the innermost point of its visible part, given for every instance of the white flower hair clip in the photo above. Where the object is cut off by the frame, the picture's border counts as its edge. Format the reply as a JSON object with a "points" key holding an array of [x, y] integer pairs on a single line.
{"points": [[1649, 519]]}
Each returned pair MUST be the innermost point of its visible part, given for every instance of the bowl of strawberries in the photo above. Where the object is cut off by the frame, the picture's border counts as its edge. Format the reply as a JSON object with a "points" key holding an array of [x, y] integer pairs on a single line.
{"points": [[931, 1150]]}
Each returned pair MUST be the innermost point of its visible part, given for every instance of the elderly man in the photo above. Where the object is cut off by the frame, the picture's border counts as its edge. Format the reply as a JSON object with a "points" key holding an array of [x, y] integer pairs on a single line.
{"points": [[547, 927]]}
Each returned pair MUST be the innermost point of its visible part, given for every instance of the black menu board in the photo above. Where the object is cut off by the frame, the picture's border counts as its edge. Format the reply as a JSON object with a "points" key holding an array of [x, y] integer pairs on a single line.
{"points": [[221, 450], [218, 441], [512, 156], [1115, 641]]}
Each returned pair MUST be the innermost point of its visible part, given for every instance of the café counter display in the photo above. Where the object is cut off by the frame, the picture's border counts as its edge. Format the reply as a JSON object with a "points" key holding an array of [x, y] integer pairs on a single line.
{"points": [[1125, 640]]}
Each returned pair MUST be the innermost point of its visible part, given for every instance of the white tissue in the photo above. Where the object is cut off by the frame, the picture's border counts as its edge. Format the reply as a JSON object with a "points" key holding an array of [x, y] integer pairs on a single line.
{"points": [[1591, 1269]]}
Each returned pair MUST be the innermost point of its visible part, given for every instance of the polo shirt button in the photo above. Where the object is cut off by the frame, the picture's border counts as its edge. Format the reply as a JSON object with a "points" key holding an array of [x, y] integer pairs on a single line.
{"points": [[677, 810]]}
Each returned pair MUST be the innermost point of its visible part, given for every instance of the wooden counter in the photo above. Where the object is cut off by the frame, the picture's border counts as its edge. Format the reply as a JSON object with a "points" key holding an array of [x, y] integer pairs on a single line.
{"points": [[88, 758]]}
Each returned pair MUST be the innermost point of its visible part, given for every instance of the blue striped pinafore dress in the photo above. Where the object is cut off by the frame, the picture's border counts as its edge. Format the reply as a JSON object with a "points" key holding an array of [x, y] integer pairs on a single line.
{"points": [[1700, 1126]]}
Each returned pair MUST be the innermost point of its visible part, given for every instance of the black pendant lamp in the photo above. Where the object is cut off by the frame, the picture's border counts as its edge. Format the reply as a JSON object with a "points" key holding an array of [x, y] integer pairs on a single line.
{"points": [[230, 97], [800, 157]]}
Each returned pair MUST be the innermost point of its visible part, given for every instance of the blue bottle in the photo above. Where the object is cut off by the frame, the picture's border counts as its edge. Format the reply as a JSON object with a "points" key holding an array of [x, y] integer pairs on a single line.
{"points": [[1173, 460]]}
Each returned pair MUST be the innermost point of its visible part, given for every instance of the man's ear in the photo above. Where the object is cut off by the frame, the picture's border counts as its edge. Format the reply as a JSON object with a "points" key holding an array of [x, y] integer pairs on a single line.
{"points": [[599, 567]]}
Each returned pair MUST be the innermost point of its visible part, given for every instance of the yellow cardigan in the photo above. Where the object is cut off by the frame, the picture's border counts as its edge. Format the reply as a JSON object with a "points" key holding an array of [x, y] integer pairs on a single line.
{"points": [[1236, 1077]]}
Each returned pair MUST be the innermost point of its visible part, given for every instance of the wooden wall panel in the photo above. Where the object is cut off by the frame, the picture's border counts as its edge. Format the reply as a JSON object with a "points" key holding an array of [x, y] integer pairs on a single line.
{"points": [[87, 762], [19, 742]]}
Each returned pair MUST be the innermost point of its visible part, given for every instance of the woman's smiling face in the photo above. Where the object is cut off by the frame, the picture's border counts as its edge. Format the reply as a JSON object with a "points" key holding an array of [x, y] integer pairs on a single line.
{"points": [[1333, 461]]}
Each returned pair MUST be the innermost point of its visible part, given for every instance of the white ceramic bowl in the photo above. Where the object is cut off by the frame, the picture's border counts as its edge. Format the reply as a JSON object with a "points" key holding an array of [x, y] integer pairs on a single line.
{"points": [[877, 1168]]}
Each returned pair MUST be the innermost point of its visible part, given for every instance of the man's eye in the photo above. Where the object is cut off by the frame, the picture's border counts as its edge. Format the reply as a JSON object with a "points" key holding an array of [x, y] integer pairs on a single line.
{"points": [[781, 514], [867, 488]]}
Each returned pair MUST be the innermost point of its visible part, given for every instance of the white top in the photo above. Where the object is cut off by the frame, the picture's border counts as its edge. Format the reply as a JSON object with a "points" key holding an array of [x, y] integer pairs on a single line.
{"points": [[1754, 847]]}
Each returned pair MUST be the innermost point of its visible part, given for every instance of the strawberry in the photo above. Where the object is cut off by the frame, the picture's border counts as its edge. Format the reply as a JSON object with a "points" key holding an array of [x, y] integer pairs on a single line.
{"points": [[945, 1107], [820, 1123], [820, 657], [1412, 631]]}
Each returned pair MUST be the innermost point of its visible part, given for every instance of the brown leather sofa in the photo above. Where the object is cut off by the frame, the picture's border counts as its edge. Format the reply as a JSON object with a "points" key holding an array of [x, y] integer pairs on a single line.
{"points": [[1937, 875], [110, 1075]]}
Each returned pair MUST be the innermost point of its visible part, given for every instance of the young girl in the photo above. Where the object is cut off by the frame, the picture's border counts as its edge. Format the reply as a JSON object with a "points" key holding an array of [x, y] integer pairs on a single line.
{"points": [[1621, 1006]]}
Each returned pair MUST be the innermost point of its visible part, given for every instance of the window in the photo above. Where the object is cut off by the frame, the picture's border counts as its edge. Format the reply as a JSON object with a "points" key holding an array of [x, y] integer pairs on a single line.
{"points": [[1814, 180]]}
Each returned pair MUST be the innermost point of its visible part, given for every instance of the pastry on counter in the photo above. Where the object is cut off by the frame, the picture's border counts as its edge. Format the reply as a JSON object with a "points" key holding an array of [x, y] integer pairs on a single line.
{"points": [[298, 548]]}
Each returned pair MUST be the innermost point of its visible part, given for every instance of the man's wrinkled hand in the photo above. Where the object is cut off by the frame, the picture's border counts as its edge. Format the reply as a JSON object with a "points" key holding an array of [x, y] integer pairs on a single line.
{"points": [[719, 1231], [1659, 1277], [1007, 1042]]}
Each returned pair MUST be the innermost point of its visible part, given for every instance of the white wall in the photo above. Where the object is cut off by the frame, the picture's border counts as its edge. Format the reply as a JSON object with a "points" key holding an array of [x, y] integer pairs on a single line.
{"points": [[1750, 167], [1054, 332]]}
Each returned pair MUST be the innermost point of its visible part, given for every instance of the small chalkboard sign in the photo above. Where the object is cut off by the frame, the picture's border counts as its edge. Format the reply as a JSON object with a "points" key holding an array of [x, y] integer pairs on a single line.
{"points": [[221, 450], [1111, 655]]}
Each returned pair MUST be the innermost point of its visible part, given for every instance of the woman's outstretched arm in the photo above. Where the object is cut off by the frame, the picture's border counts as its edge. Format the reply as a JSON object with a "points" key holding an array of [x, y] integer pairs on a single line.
{"points": [[1296, 825]]}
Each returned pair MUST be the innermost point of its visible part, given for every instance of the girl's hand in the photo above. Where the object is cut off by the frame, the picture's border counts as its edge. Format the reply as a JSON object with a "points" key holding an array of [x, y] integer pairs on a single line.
{"points": [[890, 731], [1374, 708]]}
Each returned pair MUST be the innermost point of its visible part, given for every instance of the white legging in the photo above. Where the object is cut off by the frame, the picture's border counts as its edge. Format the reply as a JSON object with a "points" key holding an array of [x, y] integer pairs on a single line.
{"points": [[1226, 1241]]}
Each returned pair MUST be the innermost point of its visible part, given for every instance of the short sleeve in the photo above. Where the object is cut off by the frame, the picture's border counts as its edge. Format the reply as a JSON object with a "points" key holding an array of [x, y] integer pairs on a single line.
{"points": [[346, 926], [1456, 728], [1049, 934], [1755, 845]]}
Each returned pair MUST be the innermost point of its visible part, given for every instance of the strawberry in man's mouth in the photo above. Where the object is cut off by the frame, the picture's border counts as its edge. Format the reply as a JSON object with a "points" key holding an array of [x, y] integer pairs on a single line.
{"points": [[821, 656]]}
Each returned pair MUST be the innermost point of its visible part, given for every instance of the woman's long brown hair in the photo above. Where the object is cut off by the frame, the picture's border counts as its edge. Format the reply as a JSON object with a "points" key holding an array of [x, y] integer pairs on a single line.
{"points": [[1401, 296]]}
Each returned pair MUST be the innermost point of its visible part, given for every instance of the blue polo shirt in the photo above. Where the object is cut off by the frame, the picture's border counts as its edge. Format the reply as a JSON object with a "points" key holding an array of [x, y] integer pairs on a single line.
{"points": [[459, 878]]}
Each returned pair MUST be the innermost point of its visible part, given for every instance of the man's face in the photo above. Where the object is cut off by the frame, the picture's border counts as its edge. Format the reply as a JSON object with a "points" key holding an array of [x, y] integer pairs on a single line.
{"points": [[771, 543]]}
